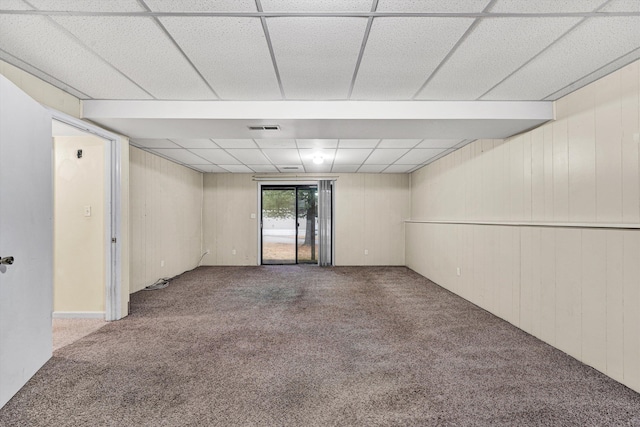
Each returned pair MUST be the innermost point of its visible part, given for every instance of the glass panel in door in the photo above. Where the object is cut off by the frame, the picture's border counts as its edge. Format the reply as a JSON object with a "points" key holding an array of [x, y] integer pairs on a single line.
{"points": [[307, 225], [278, 225]]}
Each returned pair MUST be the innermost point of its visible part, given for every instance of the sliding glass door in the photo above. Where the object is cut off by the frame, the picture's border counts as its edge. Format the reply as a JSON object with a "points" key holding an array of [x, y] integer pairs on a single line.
{"points": [[289, 224]]}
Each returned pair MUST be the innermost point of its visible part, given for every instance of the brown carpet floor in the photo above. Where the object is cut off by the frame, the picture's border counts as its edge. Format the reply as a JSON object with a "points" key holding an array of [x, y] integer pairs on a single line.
{"points": [[301, 345]]}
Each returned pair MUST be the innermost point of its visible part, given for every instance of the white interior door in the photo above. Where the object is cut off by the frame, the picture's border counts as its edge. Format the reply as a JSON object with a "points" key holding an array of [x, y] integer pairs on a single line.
{"points": [[26, 233]]}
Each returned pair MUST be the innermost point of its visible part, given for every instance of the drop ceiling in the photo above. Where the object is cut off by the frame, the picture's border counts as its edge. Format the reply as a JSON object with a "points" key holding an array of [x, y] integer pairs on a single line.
{"points": [[332, 53]]}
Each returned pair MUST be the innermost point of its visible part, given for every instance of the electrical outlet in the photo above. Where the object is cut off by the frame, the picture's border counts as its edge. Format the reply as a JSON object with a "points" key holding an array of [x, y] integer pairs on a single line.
{"points": [[458, 271], [233, 252], [162, 263], [366, 251]]}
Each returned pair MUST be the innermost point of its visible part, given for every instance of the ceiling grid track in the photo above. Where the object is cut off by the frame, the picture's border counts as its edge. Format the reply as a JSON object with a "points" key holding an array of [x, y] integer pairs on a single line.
{"points": [[265, 28], [634, 54], [321, 14], [10, 59], [367, 158], [541, 52], [367, 30], [177, 46], [454, 48], [91, 51]]}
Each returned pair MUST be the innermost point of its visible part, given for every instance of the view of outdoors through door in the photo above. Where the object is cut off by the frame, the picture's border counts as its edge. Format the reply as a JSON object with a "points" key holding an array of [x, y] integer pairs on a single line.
{"points": [[289, 224]]}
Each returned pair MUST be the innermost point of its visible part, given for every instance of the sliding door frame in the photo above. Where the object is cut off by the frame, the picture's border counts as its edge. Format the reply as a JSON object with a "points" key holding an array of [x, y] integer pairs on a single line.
{"points": [[283, 184]]}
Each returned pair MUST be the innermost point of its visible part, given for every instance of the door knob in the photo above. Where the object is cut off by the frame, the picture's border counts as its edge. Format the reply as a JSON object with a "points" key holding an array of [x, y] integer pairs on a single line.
{"points": [[6, 260]]}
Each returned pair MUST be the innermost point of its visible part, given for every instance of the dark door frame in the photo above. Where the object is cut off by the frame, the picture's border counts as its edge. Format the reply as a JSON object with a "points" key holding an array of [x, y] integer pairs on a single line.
{"points": [[295, 188]]}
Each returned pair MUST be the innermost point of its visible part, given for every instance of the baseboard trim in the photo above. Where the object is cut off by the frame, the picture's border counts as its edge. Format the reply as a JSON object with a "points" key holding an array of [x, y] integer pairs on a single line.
{"points": [[78, 314]]}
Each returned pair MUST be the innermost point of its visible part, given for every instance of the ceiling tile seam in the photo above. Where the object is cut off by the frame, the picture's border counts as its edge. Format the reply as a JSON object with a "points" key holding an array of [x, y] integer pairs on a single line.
{"points": [[18, 63], [370, 154], [586, 77], [272, 53], [539, 53], [451, 52], [365, 38], [237, 160], [91, 51], [44, 12], [263, 153], [179, 49]]}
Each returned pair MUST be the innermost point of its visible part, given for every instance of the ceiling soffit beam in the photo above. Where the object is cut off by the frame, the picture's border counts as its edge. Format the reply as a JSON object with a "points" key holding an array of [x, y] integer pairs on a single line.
{"points": [[336, 110], [318, 119]]}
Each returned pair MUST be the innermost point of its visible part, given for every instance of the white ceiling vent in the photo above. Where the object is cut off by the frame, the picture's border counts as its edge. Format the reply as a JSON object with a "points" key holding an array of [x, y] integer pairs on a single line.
{"points": [[265, 127], [290, 168]]}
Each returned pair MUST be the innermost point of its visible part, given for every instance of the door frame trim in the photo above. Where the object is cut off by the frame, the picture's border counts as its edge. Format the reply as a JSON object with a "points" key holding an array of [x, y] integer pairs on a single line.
{"points": [[113, 210]]}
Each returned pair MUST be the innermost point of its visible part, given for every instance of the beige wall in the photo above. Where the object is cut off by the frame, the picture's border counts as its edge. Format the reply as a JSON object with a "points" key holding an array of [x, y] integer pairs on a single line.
{"points": [[370, 212], [577, 288], [165, 218], [79, 241], [41, 91]]}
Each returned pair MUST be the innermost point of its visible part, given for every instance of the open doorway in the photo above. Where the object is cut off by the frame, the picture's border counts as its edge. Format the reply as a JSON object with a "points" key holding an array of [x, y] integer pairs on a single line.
{"points": [[82, 219]]}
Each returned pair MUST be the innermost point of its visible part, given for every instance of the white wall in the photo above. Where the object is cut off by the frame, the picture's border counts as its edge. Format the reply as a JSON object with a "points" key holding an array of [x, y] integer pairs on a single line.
{"points": [[575, 282], [369, 214], [165, 218], [79, 245]]}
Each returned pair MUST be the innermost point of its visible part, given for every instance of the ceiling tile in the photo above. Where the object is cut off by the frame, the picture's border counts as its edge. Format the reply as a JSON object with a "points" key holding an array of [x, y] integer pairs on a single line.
{"points": [[495, 49], [313, 168], [622, 6], [202, 5], [344, 168], [283, 156], [351, 156], [418, 156], [154, 143], [398, 143], [150, 59], [14, 5], [216, 156], [316, 5], [439, 143], [307, 155], [235, 143], [209, 168], [180, 155], [316, 56], [88, 5], [263, 168], [230, 52], [588, 47], [358, 143], [398, 169], [385, 156], [409, 49], [545, 6], [249, 156], [237, 168], [371, 168], [37, 41], [432, 6], [195, 143], [276, 143], [317, 143]]}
